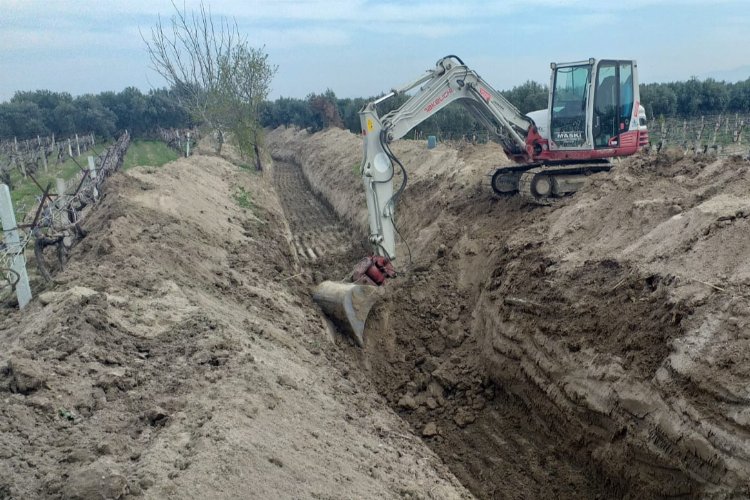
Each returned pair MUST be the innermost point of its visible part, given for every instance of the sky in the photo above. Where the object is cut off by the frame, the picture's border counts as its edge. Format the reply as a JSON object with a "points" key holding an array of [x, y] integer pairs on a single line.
{"points": [[360, 48]]}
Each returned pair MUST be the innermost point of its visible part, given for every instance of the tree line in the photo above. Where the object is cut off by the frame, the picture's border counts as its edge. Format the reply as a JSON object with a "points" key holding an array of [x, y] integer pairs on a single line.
{"points": [[43, 113], [686, 99], [319, 111], [694, 97]]}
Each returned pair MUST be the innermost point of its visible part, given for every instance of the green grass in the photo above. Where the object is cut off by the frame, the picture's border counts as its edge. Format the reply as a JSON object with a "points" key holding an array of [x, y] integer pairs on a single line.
{"points": [[248, 168], [151, 153], [24, 191], [242, 198]]}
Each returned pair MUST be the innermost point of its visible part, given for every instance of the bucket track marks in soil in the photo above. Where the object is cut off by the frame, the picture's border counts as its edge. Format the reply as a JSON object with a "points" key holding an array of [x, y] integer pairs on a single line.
{"points": [[318, 236]]}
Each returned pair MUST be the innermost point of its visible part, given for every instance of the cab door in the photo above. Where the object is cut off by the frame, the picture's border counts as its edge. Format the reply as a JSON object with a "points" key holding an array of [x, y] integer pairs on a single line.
{"points": [[568, 117], [613, 102]]}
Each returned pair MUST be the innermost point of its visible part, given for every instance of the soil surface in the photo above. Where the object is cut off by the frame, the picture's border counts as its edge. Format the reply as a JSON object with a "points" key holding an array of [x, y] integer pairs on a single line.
{"points": [[595, 347], [179, 356]]}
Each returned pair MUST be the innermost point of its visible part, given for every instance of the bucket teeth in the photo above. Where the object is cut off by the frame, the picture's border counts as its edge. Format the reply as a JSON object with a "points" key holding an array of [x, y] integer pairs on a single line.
{"points": [[348, 305]]}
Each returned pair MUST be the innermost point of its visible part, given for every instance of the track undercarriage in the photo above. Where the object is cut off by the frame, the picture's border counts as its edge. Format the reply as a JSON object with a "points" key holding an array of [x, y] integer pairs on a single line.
{"points": [[541, 182]]}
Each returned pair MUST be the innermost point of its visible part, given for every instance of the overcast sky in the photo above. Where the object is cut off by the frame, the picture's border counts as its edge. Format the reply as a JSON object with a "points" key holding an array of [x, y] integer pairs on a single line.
{"points": [[362, 47]]}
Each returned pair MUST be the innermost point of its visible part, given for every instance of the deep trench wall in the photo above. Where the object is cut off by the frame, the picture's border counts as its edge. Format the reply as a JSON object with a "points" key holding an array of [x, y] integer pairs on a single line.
{"points": [[642, 282], [636, 348]]}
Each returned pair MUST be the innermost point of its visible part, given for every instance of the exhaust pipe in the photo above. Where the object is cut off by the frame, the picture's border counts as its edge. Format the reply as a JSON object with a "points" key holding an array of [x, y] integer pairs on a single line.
{"points": [[348, 305]]}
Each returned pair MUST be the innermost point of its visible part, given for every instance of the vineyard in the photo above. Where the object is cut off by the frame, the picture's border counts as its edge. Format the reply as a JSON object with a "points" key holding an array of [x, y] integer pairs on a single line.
{"points": [[31, 155], [54, 220], [716, 134]]}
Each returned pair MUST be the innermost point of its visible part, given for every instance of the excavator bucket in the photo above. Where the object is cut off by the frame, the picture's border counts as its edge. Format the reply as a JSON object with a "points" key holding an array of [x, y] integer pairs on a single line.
{"points": [[348, 305]]}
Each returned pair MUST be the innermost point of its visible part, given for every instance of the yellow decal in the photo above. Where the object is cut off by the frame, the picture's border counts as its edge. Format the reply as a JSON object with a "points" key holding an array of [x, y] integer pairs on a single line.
{"points": [[369, 124]]}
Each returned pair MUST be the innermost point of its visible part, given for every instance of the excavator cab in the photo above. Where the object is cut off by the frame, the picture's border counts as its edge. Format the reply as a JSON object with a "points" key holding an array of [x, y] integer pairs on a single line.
{"points": [[592, 105]]}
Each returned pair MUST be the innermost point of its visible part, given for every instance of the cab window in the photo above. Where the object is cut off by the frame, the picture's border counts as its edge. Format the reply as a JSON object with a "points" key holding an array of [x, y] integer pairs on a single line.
{"points": [[568, 123]]}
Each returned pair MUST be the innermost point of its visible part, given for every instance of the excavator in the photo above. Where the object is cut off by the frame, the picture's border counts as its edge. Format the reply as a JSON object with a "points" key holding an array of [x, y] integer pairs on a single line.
{"points": [[593, 115]]}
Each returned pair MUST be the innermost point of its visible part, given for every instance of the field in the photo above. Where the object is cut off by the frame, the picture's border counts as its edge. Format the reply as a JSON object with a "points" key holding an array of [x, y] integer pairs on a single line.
{"points": [[24, 191], [726, 133], [596, 347], [153, 153]]}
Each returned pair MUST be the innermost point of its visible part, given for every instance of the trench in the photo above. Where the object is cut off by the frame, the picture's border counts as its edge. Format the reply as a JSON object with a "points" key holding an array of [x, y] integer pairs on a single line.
{"points": [[424, 358]]}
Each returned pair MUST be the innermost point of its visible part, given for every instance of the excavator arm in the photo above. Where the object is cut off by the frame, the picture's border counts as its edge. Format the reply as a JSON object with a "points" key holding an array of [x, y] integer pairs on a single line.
{"points": [[450, 81]]}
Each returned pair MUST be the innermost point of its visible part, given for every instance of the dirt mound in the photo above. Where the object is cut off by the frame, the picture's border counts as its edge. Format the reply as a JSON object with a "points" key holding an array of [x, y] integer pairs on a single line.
{"points": [[179, 355], [591, 347]]}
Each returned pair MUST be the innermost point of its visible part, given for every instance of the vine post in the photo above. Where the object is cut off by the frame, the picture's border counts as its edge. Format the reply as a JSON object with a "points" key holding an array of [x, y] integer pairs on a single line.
{"points": [[14, 249], [92, 176]]}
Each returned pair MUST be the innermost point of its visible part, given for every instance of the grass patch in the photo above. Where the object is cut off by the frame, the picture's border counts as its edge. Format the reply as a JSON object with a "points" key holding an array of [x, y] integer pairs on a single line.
{"points": [[25, 192], [248, 168], [242, 198], [151, 153]]}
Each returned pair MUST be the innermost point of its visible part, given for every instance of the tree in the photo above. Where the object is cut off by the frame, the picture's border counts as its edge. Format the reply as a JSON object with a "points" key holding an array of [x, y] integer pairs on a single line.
{"points": [[325, 112], [163, 110], [91, 115], [245, 82], [214, 72], [530, 96]]}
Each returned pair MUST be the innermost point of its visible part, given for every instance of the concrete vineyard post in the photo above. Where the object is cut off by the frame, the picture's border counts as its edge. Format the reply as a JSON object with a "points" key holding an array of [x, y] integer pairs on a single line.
{"points": [[13, 246], [187, 146], [70, 149], [44, 159], [60, 184], [78, 147], [22, 165], [92, 176]]}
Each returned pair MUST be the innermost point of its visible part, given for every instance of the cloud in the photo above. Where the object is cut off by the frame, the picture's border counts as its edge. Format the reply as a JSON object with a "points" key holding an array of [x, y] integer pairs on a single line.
{"points": [[56, 42], [344, 39], [296, 37]]}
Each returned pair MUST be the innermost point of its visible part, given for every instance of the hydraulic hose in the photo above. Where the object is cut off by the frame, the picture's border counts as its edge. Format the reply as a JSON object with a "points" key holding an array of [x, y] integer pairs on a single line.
{"points": [[397, 195], [452, 56]]}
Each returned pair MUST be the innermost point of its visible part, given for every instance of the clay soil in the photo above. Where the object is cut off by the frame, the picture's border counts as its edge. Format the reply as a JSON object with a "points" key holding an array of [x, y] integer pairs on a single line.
{"points": [[595, 348]]}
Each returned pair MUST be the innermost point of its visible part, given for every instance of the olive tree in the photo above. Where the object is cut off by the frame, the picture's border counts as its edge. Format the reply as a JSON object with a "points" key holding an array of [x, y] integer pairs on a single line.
{"points": [[215, 73]]}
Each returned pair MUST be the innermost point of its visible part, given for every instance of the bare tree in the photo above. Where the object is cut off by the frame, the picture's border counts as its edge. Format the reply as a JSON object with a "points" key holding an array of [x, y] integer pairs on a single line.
{"points": [[217, 76]]}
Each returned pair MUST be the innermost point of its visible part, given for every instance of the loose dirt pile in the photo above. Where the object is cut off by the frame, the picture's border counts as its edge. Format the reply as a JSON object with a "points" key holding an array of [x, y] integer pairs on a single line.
{"points": [[595, 347], [179, 356]]}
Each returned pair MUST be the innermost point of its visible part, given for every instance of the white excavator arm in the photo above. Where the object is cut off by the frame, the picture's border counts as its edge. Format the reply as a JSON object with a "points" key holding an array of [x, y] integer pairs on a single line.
{"points": [[450, 81]]}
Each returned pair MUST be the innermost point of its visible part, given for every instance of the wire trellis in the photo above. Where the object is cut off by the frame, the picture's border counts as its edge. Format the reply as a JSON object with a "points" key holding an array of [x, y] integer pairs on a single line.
{"points": [[56, 218]]}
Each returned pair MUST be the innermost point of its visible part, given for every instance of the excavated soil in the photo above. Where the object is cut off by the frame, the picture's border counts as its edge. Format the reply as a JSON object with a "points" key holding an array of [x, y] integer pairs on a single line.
{"points": [[596, 347], [179, 355]]}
